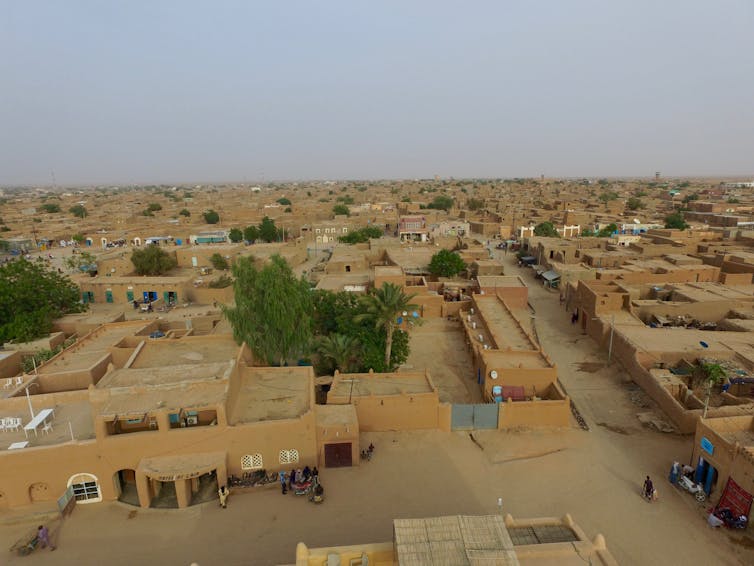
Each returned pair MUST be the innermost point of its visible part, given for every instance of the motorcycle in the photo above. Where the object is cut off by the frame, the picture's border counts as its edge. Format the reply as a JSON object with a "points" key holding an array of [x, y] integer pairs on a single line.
{"points": [[732, 521], [695, 489]]}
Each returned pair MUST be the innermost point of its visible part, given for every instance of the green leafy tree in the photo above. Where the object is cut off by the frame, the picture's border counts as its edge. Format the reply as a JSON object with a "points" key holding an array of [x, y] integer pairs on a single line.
{"points": [[441, 202], [361, 235], [211, 217], [154, 206], [31, 298], [268, 232], [382, 307], [341, 210], [607, 231], [675, 221], [185, 212], [251, 233], [342, 350], [345, 199], [219, 262], [608, 196], [475, 204], [83, 261], [235, 235], [152, 260], [546, 229], [78, 238], [446, 264], [634, 203], [273, 310], [50, 207], [78, 211], [284, 201]]}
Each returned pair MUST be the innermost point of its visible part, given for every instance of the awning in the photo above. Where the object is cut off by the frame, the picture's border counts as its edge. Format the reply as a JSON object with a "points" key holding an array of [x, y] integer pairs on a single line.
{"points": [[528, 259], [171, 468], [551, 275]]}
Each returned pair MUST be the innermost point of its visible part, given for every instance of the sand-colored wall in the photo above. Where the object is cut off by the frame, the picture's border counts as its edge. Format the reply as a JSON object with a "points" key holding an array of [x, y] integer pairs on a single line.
{"points": [[379, 554], [10, 365], [206, 296], [736, 278], [99, 286], [409, 411], [540, 413], [109, 454]]}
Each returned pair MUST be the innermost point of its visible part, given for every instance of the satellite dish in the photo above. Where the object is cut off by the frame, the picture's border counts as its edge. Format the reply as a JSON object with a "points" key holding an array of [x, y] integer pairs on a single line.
{"points": [[493, 374], [637, 221], [405, 313]]}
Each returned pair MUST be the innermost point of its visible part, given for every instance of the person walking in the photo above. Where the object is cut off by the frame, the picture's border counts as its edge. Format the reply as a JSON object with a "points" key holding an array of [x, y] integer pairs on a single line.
{"points": [[43, 536], [283, 482], [223, 492], [649, 489]]}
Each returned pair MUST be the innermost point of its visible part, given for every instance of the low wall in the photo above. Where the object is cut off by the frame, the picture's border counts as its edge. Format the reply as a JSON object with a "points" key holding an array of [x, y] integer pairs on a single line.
{"points": [[395, 412], [378, 554], [541, 413]]}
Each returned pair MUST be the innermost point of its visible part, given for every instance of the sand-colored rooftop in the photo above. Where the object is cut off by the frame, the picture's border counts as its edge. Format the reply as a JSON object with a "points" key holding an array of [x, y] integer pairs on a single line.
{"points": [[366, 384], [140, 401], [185, 373], [505, 331], [165, 351], [269, 393]]}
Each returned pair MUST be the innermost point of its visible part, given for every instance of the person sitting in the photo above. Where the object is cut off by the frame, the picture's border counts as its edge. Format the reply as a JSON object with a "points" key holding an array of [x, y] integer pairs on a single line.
{"points": [[307, 473]]}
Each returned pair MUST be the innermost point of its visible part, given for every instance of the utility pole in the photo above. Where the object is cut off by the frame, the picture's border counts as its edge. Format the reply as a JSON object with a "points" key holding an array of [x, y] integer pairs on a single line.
{"points": [[610, 345]]}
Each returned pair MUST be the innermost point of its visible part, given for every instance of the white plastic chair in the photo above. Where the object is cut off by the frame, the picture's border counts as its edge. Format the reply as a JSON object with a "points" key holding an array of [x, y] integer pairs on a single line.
{"points": [[8, 383], [46, 428], [13, 423], [2, 425], [19, 380]]}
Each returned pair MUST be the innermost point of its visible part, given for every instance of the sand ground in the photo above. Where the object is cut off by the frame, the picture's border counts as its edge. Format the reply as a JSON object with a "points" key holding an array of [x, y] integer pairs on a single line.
{"points": [[595, 476]]}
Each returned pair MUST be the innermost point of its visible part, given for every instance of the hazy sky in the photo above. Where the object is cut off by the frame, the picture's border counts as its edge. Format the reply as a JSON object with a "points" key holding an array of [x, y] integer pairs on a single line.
{"points": [[131, 91]]}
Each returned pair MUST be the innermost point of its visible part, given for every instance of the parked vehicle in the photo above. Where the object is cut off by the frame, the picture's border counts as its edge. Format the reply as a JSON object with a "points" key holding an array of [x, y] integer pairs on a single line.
{"points": [[695, 489]]}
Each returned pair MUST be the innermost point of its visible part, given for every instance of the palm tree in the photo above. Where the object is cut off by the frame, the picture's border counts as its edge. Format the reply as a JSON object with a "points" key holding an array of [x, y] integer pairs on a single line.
{"points": [[339, 348], [382, 307]]}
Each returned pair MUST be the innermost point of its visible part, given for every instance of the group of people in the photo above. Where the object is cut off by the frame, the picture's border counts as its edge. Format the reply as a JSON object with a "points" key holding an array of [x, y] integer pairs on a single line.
{"points": [[289, 480], [368, 453]]}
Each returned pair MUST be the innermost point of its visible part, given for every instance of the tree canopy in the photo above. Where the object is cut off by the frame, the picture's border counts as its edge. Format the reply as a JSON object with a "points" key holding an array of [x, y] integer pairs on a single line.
{"points": [[211, 217], [273, 310], [82, 261], [441, 202], [235, 235], [219, 262], [446, 264], [268, 232], [31, 297], [152, 260], [341, 210], [78, 210], [361, 235], [335, 314], [251, 233], [382, 307], [675, 221], [546, 229]]}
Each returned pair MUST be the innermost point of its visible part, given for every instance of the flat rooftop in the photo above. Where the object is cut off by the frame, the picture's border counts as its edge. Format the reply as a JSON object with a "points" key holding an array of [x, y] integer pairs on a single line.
{"points": [[191, 349], [86, 352], [268, 394], [77, 413], [381, 384], [166, 375], [139, 401], [502, 325], [500, 281], [515, 359]]}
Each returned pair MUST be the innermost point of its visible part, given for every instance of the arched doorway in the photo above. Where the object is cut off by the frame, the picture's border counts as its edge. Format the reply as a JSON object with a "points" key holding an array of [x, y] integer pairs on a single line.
{"points": [[125, 486], [85, 488]]}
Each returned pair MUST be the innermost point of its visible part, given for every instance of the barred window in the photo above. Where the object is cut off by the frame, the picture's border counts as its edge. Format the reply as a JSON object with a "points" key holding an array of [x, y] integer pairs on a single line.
{"points": [[251, 462], [289, 456]]}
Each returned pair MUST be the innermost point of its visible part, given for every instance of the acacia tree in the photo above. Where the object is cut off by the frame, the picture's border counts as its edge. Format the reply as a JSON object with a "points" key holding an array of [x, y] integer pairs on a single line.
{"points": [[546, 229], [382, 307], [152, 260], [31, 297], [446, 264], [273, 312]]}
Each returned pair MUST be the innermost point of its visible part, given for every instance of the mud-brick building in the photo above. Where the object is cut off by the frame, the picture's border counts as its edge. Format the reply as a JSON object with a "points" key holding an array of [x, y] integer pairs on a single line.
{"points": [[161, 422]]}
